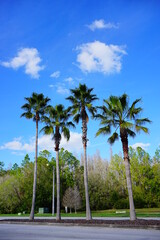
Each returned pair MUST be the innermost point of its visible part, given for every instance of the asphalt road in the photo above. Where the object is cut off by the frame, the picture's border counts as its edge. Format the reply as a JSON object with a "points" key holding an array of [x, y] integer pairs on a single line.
{"points": [[39, 232]]}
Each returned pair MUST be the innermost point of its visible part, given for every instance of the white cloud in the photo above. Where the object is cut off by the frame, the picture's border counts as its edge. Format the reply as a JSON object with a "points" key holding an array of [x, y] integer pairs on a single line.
{"points": [[51, 85], [73, 145], [27, 58], [44, 142], [99, 57], [69, 80], [100, 24], [142, 145], [55, 74], [18, 145], [61, 89], [18, 153]]}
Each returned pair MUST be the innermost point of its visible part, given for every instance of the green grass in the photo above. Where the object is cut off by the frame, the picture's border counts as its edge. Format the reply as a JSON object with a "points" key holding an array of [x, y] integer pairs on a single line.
{"points": [[145, 212]]}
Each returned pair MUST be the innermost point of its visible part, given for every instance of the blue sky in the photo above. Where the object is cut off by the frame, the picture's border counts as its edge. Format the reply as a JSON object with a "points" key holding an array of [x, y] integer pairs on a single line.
{"points": [[51, 46]]}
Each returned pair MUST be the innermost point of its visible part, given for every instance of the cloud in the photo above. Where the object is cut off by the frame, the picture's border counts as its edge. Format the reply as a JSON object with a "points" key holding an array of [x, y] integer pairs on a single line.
{"points": [[51, 85], [100, 24], [44, 142], [99, 57], [142, 145], [18, 153], [73, 145], [18, 145], [61, 89], [69, 80], [27, 58], [55, 74]]}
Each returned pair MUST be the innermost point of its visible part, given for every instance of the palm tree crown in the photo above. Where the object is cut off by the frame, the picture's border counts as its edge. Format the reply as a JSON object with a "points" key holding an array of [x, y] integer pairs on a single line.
{"points": [[35, 106], [81, 100], [117, 113], [57, 123]]}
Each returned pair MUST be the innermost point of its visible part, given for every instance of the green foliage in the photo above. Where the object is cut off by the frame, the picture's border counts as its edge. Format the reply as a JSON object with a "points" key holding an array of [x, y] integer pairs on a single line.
{"points": [[117, 113], [57, 123], [81, 99], [156, 158], [145, 178], [107, 183], [68, 165], [2, 171], [35, 106], [15, 167], [25, 161]]}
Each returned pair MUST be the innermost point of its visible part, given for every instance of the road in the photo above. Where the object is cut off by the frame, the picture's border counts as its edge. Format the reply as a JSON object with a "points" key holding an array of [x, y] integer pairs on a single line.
{"points": [[43, 232]]}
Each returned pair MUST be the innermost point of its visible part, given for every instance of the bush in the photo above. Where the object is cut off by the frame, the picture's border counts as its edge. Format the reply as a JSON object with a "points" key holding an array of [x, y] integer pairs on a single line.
{"points": [[122, 204]]}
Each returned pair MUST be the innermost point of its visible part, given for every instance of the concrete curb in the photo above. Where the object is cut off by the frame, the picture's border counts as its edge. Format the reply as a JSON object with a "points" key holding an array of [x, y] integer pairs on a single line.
{"points": [[149, 227]]}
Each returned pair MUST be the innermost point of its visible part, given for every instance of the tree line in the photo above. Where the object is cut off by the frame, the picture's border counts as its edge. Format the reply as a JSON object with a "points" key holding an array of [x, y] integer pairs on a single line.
{"points": [[116, 113], [106, 181]]}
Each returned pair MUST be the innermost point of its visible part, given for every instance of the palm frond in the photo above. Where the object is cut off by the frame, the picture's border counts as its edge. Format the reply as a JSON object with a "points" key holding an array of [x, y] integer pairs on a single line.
{"points": [[104, 130], [142, 121], [113, 138], [66, 133], [139, 128], [27, 115], [124, 101], [47, 130], [26, 107], [126, 124], [77, 118], [70, 124], [133, 111], [130, 133]]}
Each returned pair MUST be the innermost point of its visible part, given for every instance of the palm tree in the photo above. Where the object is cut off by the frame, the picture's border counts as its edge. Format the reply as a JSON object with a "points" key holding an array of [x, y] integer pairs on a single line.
{"points": [[117, 113], [35, 109], [56, 124], [81, 100]]}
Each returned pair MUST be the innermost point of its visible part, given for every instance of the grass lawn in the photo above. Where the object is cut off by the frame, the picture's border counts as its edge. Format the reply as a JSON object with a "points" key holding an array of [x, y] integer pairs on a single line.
{"points": [[145, 212]]}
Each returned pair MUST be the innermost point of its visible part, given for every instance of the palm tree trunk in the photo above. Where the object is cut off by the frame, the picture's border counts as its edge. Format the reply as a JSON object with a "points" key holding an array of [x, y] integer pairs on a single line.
{"points": [[53, 191], [84, 139], [58, 216], [129, 186], [35, 175], [124, 140]]}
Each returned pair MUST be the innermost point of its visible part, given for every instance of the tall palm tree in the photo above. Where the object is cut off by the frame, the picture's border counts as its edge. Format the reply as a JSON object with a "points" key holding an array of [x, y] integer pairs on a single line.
{"points": [[35, 109], [117, 113], [81, 100], [56, 124]]}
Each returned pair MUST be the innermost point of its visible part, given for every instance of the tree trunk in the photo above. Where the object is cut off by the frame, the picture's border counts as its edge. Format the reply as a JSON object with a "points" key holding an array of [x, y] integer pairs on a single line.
{"points": [[84, 140], [124, 139], [53, 192], [58, 216], [35, 174]]}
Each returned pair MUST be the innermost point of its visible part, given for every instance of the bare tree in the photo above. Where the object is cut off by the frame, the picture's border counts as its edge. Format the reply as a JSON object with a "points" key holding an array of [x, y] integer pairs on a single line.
{"points": [[72, 199], [68, 198], [76, 199]]}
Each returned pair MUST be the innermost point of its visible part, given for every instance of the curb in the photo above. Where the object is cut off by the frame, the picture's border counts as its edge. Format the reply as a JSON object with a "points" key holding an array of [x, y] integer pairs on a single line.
{"points": [[149, 227]]}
